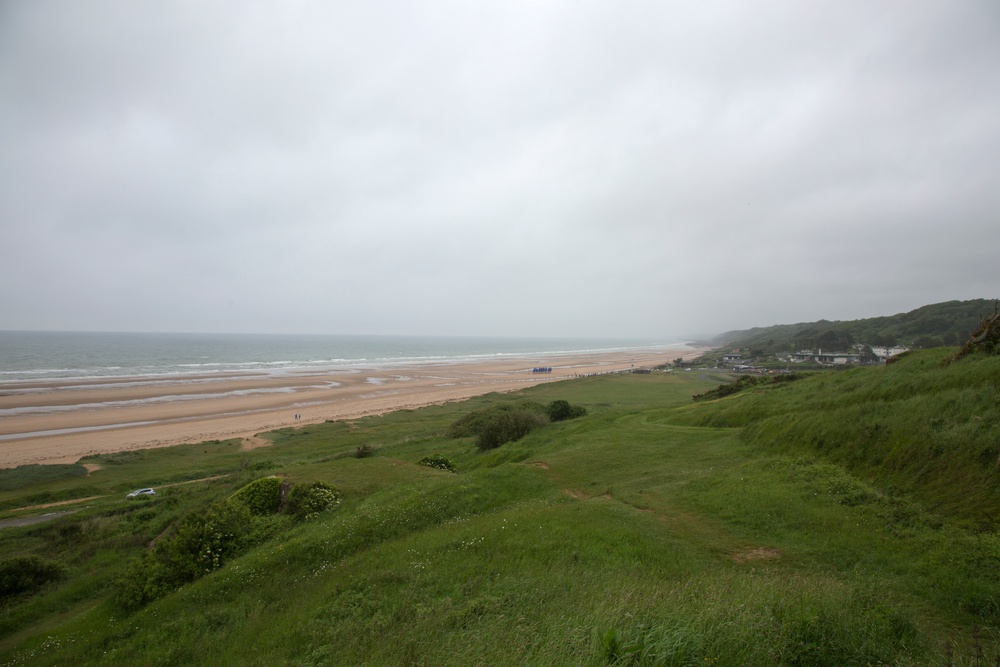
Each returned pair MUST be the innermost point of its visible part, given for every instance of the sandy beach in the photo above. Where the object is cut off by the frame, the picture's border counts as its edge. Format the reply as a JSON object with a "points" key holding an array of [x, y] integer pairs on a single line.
{"points": [[59, 422]]}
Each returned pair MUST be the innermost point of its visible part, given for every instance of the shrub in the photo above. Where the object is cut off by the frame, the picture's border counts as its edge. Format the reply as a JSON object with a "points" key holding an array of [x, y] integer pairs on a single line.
{"points": [[364, 451], [201, 541], [261, 496], [507, 422], [437, 461], [508, 426], [204, 540], [305, 501], [144, 580], [473, 423], [26, 574], [561, 410], [499, 424]]}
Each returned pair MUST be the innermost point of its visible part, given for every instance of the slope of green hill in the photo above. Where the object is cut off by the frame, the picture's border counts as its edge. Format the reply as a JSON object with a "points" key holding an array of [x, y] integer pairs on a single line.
{"points": [[935, 325], [922, 426], [776, 526]]}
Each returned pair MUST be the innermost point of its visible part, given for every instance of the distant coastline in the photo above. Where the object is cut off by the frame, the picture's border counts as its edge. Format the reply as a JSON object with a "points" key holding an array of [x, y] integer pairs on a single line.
{"points": [[116, 407], [30, 356]]}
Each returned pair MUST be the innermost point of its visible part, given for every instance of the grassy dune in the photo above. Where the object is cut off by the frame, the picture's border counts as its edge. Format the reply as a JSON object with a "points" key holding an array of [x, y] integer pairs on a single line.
{"points": [[844, 519]]}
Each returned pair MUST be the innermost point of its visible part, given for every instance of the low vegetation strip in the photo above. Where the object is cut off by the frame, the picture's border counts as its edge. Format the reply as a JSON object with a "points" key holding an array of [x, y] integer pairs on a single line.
{"points": [[822, 524], [746, 382]]}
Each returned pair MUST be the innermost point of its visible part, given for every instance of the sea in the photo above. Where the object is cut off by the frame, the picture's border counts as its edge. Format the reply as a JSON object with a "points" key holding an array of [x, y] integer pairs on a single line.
{"points": [[50, 355]]}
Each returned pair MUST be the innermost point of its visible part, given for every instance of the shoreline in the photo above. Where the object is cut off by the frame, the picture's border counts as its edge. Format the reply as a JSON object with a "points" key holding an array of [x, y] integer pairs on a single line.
{"points": [[60, 421]]}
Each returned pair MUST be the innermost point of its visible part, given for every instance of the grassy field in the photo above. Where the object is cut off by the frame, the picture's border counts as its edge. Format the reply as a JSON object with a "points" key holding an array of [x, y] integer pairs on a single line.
{"points": [[842, 519]]}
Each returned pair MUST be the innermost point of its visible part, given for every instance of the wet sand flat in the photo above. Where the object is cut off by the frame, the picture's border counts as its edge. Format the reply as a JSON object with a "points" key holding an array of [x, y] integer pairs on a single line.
{"points": [[58, 422]]}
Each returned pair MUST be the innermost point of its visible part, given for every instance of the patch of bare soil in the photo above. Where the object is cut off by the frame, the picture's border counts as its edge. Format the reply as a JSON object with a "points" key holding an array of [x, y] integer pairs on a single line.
{"points": [[83, 500], [255, 442], [193, 481], [760, 553], [91, 467], [47, 505]]}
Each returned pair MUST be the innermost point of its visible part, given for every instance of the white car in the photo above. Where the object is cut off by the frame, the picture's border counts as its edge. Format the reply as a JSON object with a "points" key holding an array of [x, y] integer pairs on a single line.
{"points": [[141, 492]]}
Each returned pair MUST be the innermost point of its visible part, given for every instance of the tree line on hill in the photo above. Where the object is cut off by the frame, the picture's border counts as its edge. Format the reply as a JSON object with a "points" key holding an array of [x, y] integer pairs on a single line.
{"points": [[942, 324]]}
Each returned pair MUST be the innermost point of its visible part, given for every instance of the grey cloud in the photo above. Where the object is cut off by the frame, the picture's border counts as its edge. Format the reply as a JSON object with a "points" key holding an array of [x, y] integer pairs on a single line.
{"points": [[643, 169]]}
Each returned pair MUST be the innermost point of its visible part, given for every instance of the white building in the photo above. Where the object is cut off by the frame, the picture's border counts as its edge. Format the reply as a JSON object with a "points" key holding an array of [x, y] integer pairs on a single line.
{"points": [[884, 353]]}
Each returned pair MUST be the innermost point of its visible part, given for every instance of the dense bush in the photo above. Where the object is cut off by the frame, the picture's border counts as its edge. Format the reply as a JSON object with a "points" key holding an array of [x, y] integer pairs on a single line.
{"points": [[508, 426], [476, 421], [437, 461], [202, 541], [305, 501], [561, 410], [25, 574], [261, 496], [205, 540], [144, 580], [507, 422]]}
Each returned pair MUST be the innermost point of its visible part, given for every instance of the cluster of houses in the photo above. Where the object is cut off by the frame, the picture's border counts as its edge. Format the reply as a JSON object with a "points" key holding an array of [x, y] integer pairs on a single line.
{"points": [[859, 356]]}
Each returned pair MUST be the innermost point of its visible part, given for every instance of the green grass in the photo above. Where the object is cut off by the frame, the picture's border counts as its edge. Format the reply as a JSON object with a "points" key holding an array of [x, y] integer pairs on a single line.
{"points": [[14, 479], [922, 427], [652, 531]]}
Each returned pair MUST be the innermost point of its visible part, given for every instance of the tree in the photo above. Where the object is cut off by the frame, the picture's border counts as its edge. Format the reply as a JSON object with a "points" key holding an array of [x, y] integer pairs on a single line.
{"points": [[928, 341], [884, 339]]}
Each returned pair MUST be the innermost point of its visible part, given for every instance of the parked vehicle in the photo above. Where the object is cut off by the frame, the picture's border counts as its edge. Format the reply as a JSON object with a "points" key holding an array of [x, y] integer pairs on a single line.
{"points": [[141, 492]]}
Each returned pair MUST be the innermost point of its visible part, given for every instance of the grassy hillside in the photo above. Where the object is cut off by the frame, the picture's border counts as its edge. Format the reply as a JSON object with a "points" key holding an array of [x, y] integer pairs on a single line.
{"points": [[921, 426], [652, 531], [947, 323]]}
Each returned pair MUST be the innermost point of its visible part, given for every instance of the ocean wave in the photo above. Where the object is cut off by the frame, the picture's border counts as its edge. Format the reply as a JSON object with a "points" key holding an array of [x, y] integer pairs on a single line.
{"points": [[38, 356]]}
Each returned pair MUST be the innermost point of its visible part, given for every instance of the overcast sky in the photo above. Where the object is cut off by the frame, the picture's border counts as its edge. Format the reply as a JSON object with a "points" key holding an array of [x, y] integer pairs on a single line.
{"points": [[567, 168]]}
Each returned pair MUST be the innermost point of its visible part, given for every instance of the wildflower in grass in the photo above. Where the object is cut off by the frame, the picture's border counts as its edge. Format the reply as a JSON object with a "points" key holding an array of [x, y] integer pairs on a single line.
{"points": [[437, 461], [306, 501]]}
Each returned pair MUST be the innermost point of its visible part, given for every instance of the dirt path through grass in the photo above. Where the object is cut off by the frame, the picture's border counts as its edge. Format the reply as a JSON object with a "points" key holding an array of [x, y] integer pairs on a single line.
{"points": [[47, 517]]}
